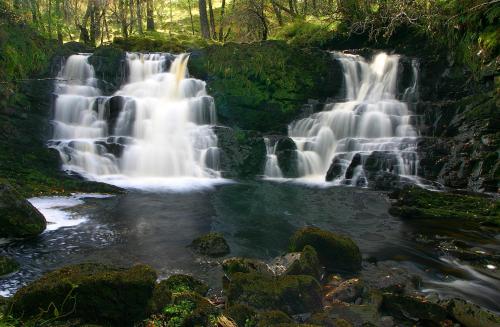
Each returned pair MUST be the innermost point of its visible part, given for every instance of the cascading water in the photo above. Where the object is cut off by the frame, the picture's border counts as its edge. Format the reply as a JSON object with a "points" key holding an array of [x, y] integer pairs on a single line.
{"points": [[371, 121], [272, 168], [158, 125]]}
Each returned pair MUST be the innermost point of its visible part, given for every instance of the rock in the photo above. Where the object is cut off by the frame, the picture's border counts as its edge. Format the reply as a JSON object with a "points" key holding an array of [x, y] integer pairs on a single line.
{"points": [[198, 313], [417, 203], [335, 170], [183, 283], [245, 265], [7, 265], [471, 315], [355, 162], [18, 218], [335, 252], [380, 161], [162, 296], [386, 277], [241, 314], [286, 151], [291, 293], [386, 181], [307, 263], [108, 63], [272, 318], [414, 308], [346, 291], [93, 292], [356, 315], [211, 244]]}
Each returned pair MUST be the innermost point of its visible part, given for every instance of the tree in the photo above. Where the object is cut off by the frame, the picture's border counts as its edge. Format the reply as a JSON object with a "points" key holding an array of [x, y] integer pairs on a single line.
{"points": [[205, 32], [150, 22], [139, 16]]}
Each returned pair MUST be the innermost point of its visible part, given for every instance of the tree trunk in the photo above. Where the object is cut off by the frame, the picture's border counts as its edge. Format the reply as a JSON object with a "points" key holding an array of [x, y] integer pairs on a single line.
{"points": [[212, 20], [59, 21], [150, 22], [132, 17], [139, 16], [277, 12], [191, 16], [205, 31], [50, 18], [221, 23], [123, 17]]}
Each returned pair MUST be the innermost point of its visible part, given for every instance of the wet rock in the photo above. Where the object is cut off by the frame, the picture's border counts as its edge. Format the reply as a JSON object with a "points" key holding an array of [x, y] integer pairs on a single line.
{"points": [[386, 181], [183, 283], [414, 308], [93, 292], [108, 63], [162, 296], [471, 315], [355, 162], [200, 309], [386, 277], [286, 151], [290, 293], [335, 170], [241, 314], [7, 265], [356, 315], [245, 265], [18, 218], [271, 318], [211, 244], [347, 291], [304, 263], [336, 252]]}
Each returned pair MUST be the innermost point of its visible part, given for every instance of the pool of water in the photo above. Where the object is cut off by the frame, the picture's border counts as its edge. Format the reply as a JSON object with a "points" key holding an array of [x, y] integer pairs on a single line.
{"points": [[257, 219]]}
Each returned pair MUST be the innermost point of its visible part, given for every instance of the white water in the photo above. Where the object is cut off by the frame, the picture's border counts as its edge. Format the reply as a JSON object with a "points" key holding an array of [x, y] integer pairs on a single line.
{"points": [[272, 168], [156, 129], [370, 119]]}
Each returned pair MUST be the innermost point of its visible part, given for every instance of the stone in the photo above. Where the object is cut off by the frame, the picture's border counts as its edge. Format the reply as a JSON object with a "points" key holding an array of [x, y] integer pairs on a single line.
{"points": [[355, 162], [306, 263], [471, 315], [347, 291], [245, 265], [336, 252], [18, 218], [212, 244], [8, 265], [184, 283], [414, 308], [335, 170]]}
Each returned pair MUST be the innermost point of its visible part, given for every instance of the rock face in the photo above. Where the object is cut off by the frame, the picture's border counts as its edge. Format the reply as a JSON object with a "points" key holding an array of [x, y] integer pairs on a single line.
{"points": [[211, 244], [18, 218], [7, 265], [108, 63], [336, 252], [93, 292]]}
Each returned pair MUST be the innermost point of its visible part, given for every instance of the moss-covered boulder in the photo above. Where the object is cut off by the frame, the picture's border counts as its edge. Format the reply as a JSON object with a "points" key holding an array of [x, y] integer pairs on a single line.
{"points": [[272, 318], [336, 252], [8, 265], [417, 203], [18, 218], [245, 265], [471, 315], [109, 67], [307, 263], [185, 283], [241, 314], [189, 309], [93, 292], [414, 308], [262, 86], [291, 294], [162, 296], [212, 244]]}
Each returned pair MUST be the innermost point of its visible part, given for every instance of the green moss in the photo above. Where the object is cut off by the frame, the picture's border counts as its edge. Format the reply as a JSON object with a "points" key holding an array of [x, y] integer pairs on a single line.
{"points": [[244, 265], [93, 292], [335, 252], [242, 314], [291, 294], [159, 42], [8, 265], [162, 296], [184, 283], [273, 317], [308, 264], [417, 203], [212, 244]]}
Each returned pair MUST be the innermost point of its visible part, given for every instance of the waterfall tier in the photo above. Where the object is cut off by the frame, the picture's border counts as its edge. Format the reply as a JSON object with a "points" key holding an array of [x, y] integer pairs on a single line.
{"points": [[158, 125], [372, 125]]}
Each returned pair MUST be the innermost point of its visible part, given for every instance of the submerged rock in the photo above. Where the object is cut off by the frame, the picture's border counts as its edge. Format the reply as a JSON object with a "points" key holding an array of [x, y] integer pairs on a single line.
{"points": [[336, 252], [7, 265], [93, 292], [211, 244], [292, 293], [18, 218]]}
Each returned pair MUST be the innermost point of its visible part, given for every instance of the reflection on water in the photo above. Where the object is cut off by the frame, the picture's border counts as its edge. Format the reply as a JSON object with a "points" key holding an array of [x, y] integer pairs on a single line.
{"points": [[257, 219]]}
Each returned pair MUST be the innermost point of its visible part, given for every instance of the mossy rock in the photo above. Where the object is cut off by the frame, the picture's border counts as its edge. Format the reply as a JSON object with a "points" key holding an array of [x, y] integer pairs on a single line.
{"points": [[291, 294], [185, 283], [245, 265], [95, 293], [242, 314], [413, 308], [8, 265], [272, 318], [189, 309], [417, 203], [162, 296], [471, 315], [18, 218], [307, 264], [211, 244], [108, 63], [336, 252]]}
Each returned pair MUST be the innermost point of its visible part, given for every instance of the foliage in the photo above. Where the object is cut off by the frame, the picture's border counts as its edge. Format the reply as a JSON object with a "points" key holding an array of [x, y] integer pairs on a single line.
{"points": [[307, 33]]}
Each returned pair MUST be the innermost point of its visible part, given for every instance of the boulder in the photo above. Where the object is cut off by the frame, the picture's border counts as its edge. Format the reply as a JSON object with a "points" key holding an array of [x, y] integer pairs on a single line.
{"points": [[7, 265], [162, 296], [292, 294], [245, 265], [185, 283], [336, 252], [95, 293], [305, 263], [241, 314], [355, 162], [212, 244], [414, 308], [347, 291], [18, 218], [471, 315], [108, 63], [335, 170]]}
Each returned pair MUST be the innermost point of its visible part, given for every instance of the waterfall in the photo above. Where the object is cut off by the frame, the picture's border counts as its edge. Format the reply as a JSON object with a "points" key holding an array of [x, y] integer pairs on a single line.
{"points": [[371, 124], [272, 169], [157, 125]]}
